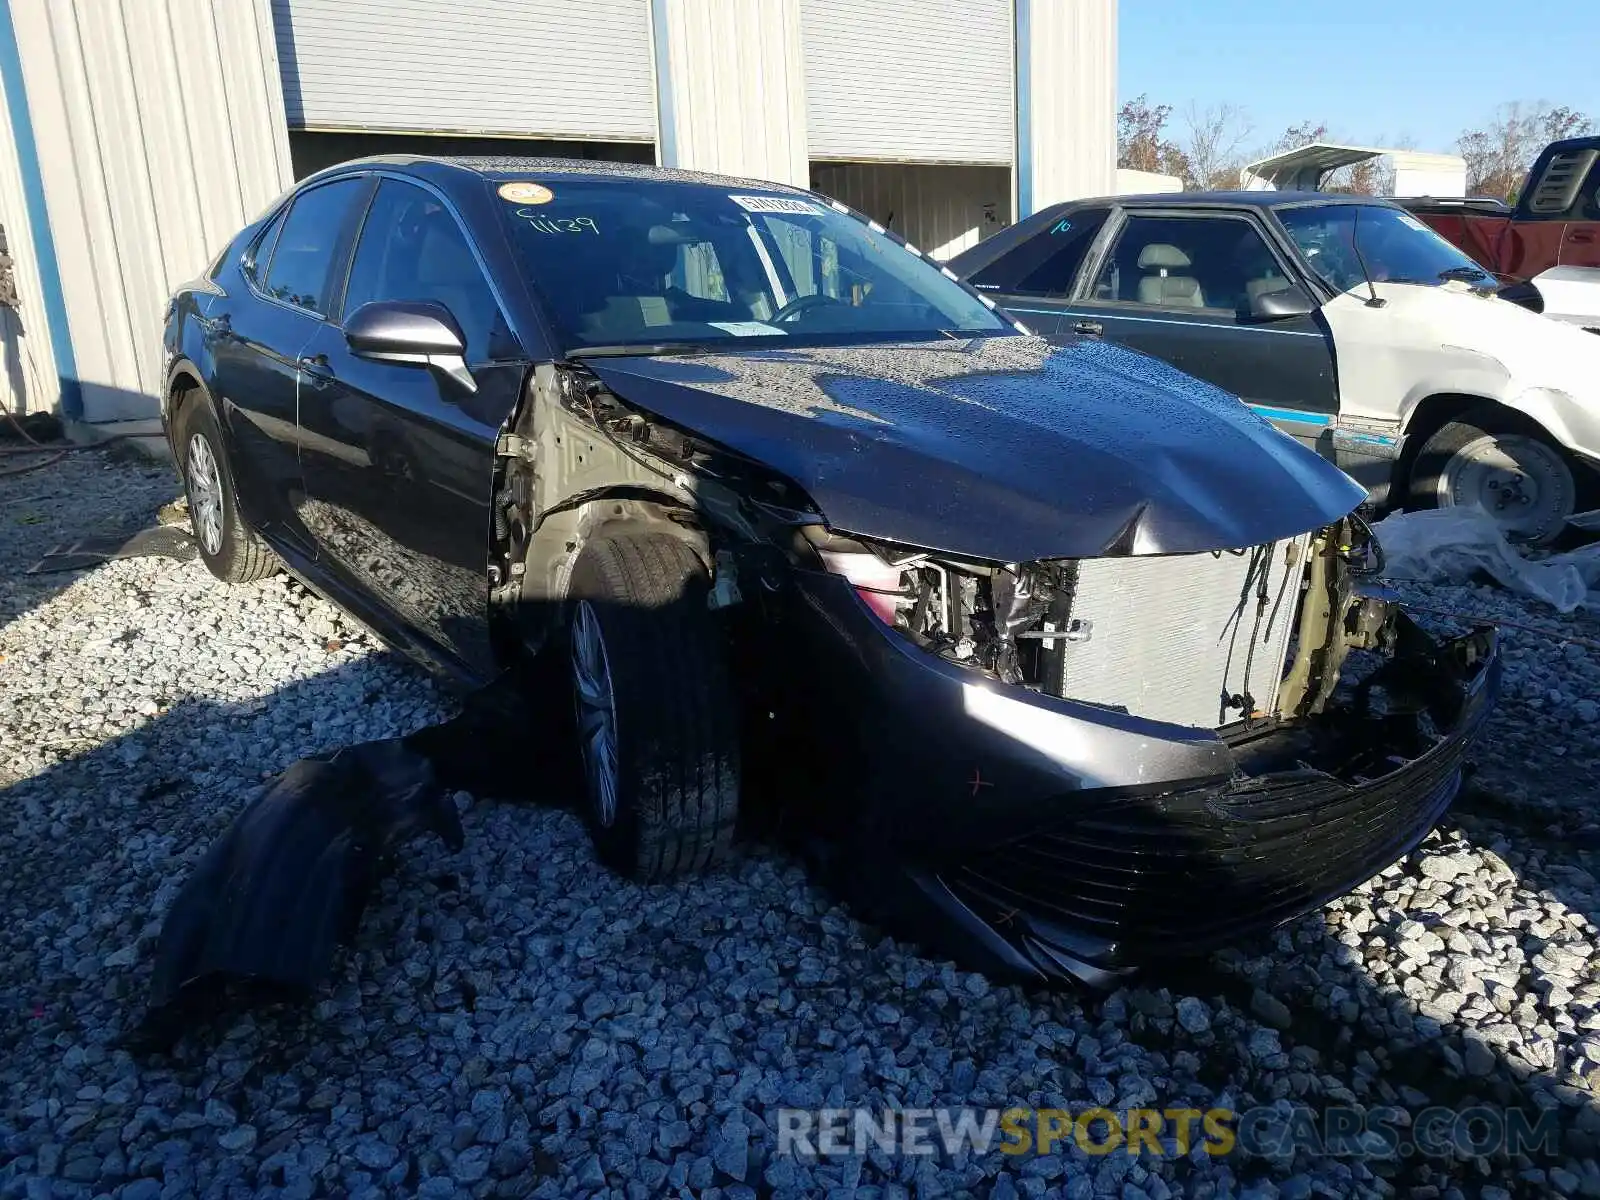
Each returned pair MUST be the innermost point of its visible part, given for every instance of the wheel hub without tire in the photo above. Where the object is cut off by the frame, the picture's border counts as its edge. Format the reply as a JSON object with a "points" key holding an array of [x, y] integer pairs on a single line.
{"points": [[204, 485], [597, 712], [1519, 481]]}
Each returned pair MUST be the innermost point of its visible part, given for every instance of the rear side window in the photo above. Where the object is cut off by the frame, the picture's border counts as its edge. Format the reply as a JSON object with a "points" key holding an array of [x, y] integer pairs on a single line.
{"points": [[1046, 263], [1556, 192], [298, 273], [259, 254], [1589, 198]]}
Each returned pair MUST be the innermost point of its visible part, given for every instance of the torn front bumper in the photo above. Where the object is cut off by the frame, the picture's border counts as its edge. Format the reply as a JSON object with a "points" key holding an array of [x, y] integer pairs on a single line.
{"points": [[1124, 878], [1038, 837]]}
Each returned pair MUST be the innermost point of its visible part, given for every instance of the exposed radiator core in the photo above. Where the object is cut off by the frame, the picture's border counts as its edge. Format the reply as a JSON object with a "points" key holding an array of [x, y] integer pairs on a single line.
{"points": [[1170, 638]]}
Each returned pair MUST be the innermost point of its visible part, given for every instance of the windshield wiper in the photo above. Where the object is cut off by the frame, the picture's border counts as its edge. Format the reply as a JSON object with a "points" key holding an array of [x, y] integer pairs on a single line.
{"points": [[647, 350], [1464, 274]]}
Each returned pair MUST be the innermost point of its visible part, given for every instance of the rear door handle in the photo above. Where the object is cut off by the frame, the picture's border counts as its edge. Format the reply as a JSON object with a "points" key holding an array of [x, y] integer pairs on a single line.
{"points": [[1088, 328], [1581, 235]]}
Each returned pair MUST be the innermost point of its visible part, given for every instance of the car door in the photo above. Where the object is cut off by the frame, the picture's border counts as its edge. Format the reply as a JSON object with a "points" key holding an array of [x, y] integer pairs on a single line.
{"points": [[1034, 278], [398, 458], [256, 334], [1179, 285]]}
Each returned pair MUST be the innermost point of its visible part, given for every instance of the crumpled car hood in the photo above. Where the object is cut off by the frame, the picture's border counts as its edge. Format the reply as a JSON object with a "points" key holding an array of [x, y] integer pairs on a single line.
{"points": [[1001, 448]]}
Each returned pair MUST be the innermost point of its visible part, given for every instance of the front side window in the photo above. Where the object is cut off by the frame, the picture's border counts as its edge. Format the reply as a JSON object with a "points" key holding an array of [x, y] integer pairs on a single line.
{"points": [[412, 248], [635, 262], [1047, 263], [298, 272], [1346, 244], [1218, 263]]}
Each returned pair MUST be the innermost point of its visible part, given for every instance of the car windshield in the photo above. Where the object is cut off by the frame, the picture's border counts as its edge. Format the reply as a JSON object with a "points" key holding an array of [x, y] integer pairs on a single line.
{"points": [[629, 262], [1393, 244]]}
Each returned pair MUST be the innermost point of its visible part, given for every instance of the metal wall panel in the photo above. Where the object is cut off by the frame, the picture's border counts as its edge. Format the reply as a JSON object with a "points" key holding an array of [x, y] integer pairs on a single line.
{"points": [[28, 379], [909, 80], [536, 68], [1066, 101], [1144, 183], [734, 84], [160, 131], [942, 210]]}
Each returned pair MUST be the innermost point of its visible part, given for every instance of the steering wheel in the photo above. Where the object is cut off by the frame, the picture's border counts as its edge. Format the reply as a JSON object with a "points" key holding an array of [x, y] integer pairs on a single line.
{"points": [[800, 304]]}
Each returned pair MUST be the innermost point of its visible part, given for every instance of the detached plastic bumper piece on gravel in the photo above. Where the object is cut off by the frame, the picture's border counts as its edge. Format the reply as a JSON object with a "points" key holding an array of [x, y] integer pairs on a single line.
{"points": [[287, 883]]}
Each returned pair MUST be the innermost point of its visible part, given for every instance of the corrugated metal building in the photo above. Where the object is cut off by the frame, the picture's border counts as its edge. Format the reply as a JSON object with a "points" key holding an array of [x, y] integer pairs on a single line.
{"points": [[145, 131], [144, 134]]}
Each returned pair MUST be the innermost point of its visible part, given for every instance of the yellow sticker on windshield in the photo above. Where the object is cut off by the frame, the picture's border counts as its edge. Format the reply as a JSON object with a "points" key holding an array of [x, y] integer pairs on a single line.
{"points": [[526, 193]]}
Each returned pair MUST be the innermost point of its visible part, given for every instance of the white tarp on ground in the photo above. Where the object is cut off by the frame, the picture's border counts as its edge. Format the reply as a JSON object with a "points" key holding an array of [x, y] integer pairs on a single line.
{"points": [[1455, 545]]}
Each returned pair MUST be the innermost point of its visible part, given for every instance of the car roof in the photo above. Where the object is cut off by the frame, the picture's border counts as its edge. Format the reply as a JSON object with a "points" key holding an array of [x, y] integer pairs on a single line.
{"points": [[445, 169], [1237, 199], [1587, 142]]}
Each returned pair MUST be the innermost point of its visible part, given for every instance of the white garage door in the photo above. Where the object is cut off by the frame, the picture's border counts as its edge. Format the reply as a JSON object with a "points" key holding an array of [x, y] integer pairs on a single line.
{"points": [[544, 68], [909, 80]]}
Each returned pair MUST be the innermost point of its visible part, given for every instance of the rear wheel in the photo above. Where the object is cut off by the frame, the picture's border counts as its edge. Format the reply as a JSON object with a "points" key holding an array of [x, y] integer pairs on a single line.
{"points": [[1508, 468], [228, 546], [657, 725]]}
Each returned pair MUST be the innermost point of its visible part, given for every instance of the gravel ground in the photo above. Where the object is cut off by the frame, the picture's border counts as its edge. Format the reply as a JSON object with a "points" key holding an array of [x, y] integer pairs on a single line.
{"points": [[515, 1021]]}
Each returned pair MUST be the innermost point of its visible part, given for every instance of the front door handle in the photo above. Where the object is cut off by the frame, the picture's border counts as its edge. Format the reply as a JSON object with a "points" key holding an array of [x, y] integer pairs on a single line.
{"points": [[1088, 328], [316, 368]]}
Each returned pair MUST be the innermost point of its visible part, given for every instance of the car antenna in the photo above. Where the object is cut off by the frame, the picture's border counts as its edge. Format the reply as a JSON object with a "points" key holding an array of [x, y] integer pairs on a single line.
{"points": [[1375, 300]]}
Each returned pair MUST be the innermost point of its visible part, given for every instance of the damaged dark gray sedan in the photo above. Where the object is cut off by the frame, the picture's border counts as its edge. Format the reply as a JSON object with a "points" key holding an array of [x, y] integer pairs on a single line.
{"points": [[1066, 658]]}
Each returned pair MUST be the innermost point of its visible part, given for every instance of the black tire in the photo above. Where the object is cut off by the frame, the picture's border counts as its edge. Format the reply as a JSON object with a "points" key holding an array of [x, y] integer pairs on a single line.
{"points": [[675, 768], [1432, 460], [238, 555]]}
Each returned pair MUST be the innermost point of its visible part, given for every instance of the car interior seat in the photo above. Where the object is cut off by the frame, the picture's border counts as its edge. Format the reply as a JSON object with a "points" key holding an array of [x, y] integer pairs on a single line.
{"points": [[623, 292], [446, 271], [1265, 285], [1165, 279]]}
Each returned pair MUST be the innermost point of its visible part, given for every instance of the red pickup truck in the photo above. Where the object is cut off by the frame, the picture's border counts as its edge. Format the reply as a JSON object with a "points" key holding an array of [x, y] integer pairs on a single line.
{"points": [[1555, 224]]}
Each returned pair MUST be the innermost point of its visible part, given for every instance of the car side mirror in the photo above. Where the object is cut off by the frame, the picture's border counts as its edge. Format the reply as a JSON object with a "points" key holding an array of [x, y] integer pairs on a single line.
{"points": [[1282, 304], [1526, 294], [410, 331]]}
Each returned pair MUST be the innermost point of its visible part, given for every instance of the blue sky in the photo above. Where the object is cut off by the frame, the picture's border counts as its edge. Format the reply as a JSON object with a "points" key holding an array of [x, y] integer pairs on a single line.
{"points": [[1416, 68]]}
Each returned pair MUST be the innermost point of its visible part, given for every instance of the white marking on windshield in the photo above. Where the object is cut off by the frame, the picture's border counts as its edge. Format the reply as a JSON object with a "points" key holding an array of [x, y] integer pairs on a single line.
{"points": [[746, 328], [778, 295], [776, 204]]}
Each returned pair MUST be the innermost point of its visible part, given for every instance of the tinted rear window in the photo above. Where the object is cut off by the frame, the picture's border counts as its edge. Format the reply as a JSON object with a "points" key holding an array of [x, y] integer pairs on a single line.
{"points": [[298, 273], [1046, 263]]}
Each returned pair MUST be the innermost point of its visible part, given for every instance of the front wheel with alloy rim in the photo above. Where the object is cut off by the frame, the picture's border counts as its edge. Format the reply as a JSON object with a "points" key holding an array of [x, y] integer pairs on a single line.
{"points": [[229, 548], [657, 724], [1509, 469]]}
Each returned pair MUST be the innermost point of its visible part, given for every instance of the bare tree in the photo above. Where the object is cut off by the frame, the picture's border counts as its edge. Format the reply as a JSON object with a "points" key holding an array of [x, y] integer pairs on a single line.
{"points": [[1295, 136], [1215, 145], [1499, 154], [1375, 176]]}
